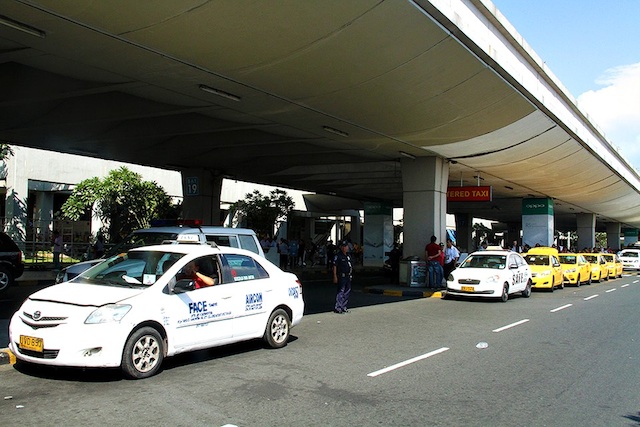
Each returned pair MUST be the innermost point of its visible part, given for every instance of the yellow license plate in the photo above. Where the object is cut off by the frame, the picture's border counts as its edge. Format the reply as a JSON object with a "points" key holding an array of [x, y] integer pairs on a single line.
{"points": [[31, 343], [468, 288]]}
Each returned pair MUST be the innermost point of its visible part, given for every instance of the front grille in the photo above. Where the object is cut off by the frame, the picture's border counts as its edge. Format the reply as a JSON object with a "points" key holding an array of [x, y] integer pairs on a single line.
{"points": [[46, 354], [38, 325], [44, 319], [469, 281]]}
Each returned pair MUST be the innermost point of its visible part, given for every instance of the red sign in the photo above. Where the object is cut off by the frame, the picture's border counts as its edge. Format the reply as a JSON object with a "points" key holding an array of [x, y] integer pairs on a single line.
{"points": [[470, 194]]}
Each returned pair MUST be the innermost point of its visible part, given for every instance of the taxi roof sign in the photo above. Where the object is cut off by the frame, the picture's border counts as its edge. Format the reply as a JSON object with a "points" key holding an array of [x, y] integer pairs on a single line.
{"points": [[188, 238]]}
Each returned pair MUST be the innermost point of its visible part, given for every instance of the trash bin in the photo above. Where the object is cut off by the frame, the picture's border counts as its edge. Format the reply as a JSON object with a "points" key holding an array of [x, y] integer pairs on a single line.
{"points": [[413, 272]]}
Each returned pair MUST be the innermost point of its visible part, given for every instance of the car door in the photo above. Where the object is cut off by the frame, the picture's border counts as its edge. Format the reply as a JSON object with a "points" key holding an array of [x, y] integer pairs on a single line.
{"points": [[202, 317], [252, 293], [523, 273], [557, 269]]}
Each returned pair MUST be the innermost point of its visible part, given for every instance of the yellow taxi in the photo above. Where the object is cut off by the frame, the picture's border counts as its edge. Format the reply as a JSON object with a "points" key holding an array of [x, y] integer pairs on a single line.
{"points": [[613, 264], [546, 271], [599, 269], [575, 268]]}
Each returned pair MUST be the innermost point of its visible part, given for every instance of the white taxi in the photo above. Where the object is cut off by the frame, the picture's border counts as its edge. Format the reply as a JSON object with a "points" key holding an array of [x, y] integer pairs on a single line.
{"points": [[136, 308], [491, 273], [630, 259]]}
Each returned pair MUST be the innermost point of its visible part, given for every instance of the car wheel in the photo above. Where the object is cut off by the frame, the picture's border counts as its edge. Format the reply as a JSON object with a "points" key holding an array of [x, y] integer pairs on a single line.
{"points": [[562, 284], [143, 353], [527, 290], [5, 279], [505, 293], [276, 333], [578, 282], [589, 281], [553, 286]]}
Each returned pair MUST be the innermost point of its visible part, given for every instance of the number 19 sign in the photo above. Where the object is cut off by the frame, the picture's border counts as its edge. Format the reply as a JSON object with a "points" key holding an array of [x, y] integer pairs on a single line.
{"points": [[193, 187]]}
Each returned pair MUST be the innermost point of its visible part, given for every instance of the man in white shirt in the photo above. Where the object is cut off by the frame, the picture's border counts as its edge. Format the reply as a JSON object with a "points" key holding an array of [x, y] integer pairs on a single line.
{"points": [[451, 256]]}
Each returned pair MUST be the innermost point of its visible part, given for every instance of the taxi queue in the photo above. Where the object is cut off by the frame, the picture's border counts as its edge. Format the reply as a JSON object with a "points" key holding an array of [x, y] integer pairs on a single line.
{"points": [[551, 269]]}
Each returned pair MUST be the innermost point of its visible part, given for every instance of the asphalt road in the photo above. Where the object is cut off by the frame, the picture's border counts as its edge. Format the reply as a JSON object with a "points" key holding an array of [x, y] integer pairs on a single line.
{"points": [[567, 358]]}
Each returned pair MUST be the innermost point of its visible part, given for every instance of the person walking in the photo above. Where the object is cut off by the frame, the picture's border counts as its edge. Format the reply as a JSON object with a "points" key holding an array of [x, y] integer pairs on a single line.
{"points": [[451, 257], [342, 274]]}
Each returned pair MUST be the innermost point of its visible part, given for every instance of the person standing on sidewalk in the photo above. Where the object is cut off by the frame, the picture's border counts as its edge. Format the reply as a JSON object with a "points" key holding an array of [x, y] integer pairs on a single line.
{"points": [[432, 254], [451, 257], [57, 249], [342, 274]]}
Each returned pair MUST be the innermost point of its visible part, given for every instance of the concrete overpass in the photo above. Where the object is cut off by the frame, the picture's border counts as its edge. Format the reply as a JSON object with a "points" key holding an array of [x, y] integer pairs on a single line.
{"points": [[345, 98]]}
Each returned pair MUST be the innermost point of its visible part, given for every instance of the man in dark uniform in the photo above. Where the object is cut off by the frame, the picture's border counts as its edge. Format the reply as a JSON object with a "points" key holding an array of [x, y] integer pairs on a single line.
{"points": [[342, 272]]}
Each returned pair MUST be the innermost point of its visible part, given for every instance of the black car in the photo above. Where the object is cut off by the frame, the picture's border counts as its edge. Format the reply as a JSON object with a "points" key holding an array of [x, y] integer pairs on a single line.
{"points": [[11, 266]]}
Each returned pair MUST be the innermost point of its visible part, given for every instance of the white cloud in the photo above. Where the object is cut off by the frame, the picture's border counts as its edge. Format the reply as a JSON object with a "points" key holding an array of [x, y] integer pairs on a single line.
{"points": [[616, 109]]}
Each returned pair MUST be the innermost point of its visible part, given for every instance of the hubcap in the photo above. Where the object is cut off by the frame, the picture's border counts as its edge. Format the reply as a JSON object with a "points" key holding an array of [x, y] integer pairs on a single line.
{"points": [[145, 354]]}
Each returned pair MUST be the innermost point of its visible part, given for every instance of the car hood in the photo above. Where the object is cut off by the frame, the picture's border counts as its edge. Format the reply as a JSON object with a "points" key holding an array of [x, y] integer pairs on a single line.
{"points": [[82, 294]]}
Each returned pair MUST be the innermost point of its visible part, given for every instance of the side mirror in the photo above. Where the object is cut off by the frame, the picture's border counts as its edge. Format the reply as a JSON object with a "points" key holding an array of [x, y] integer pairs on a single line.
{"points": [[184, 285]]}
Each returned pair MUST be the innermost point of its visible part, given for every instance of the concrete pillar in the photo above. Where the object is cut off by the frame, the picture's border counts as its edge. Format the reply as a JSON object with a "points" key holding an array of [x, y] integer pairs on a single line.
{"points": [[537, 222], [613, 235], [43, 214], [630, 236], [378, 233], [464, 232], [513, 234], [586, 228], [424, 182], [201, 196]]}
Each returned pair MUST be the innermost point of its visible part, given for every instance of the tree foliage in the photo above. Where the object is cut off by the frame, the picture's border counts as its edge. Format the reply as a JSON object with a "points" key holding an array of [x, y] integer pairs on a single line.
{"points": [[122, 201], [5, 151], [261, 212]]}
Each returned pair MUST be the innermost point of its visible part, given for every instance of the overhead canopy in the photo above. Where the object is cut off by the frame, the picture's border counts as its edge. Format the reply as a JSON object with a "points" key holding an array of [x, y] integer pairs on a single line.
{"points": [[320, 96]]}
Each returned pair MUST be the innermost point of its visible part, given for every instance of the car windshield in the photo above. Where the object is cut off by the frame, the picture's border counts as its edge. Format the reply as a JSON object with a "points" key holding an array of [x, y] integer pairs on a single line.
{"points": [[131, 269], [537, 259], [135, 240], [568, 259], [629, 254], [485, 261], [591, 258]]}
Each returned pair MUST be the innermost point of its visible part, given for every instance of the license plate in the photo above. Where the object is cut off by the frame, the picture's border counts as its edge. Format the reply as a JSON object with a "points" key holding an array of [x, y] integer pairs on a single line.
{"points": [[467, 288], [31, 343]]}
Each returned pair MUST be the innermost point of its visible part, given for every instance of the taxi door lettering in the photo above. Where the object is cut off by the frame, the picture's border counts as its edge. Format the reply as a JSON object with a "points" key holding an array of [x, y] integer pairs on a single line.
{"points": [[197, 307]]}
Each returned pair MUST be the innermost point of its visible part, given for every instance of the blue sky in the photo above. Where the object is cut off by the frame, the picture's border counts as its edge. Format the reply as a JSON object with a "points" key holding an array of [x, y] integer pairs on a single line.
{"points": [[593, 48]]}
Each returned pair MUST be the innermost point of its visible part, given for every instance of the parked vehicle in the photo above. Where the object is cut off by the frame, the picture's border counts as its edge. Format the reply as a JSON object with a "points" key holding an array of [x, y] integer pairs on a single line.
{"points": [[546, 269], [222, 236], [599, 269], [614, 265], [11, 265], [576, 270], [491, 273], [138, 307], [630, 259]]}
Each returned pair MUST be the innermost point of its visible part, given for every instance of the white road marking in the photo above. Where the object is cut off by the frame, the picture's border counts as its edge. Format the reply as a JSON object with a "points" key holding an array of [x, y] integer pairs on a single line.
{"points": [[625, 285], [636, 281], [407, 362], [560, 308], [591, 297], [511, 325], [610, 290]]}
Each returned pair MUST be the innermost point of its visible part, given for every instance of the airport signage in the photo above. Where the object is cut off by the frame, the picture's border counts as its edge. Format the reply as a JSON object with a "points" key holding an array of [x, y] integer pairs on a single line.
{"points": [[470, 194]]}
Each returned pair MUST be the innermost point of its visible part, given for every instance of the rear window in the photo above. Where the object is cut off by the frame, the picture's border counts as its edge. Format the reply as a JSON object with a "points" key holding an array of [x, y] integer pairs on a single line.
{"points": [[248, 242], [241, 268], [568, 259]]}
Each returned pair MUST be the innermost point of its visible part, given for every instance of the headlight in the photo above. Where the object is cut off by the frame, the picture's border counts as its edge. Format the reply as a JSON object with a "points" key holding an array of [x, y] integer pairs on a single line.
{"points": [[60, 275], [108, 313], [546, 273], [493, 279], [571, 270], [450, 278]]}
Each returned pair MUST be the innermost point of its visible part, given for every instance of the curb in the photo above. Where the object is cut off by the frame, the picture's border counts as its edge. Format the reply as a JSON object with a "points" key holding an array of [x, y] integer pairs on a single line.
{"points": [[7, 357], [405, 293]]}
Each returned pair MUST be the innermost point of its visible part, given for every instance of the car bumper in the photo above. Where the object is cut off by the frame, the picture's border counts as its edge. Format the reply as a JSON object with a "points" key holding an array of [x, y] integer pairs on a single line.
{"points": [[66, 345], [570, 278], [542, 282], [473, 290]]}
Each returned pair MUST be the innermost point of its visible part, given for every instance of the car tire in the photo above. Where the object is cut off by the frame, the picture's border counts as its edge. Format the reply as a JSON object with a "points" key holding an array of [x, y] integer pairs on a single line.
{"points": [[553, 286], [5, 279], [505, 293], [562, 284], [276, 333], [589, 281], [143, 353], [527, 290]]}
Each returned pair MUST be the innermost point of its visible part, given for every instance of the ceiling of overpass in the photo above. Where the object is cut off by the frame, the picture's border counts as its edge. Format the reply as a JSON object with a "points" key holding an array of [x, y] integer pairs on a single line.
{"points": [[318, 96]]}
